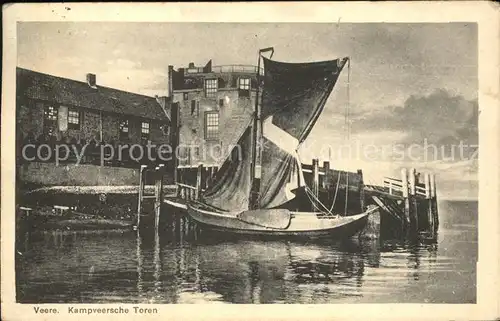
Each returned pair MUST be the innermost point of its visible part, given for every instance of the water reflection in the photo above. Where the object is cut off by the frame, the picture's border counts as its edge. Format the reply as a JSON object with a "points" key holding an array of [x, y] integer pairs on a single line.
{"points": [[183, 264]]}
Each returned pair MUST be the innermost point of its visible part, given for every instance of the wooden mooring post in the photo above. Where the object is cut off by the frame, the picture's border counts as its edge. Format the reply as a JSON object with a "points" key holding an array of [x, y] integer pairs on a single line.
{"points": [[432, 183], [361, 188], [326, 169], [428, 199], [142, 182], [315, 184], [406, 200], [199, 182], [413, 200], [159, 171], [208, 176], [417, 197]]}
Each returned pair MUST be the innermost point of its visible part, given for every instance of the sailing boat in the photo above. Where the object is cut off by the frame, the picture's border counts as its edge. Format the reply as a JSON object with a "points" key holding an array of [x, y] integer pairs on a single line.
{"points": [[262, 191]]}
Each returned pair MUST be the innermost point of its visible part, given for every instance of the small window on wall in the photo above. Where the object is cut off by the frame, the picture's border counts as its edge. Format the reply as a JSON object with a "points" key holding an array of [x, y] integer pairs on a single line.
{"points": [[185, 96], [210, 88], [221, 103], [49, 119], [211, 125], [195, 108], [165, 130], [244, 87], [74, 119], [124, 129], [244, 83], [144, 130], [50, 113]]}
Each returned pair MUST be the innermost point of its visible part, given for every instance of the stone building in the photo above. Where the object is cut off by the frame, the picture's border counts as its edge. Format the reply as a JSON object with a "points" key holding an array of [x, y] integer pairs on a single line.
{"points": [[74, 110], [215, 103], [53, 111]]}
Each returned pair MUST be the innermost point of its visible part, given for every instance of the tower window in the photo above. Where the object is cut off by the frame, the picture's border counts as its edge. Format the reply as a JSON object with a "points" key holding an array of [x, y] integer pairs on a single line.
{"points": [[210, 88], [244, 87], [244, 84], [211, 125]]}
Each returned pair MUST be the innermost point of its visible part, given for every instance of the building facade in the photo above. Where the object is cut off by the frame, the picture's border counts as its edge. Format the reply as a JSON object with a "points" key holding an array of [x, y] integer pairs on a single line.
{"points": [[216, 104], [55, 109]]}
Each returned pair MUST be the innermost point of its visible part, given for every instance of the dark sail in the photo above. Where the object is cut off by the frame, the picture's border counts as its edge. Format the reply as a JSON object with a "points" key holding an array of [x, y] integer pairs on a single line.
{"points": [[293, 98], [231, 189]]}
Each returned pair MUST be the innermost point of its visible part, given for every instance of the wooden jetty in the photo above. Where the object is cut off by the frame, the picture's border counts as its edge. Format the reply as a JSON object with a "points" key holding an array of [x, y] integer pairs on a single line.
{"points": [[413, 203], [407, 204]]}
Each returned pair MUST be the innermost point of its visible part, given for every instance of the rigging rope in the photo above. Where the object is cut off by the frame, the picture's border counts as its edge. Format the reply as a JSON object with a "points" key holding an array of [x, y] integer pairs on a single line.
{"points": [[346, 192], [309, 192], [336, 192], [347, 120]]}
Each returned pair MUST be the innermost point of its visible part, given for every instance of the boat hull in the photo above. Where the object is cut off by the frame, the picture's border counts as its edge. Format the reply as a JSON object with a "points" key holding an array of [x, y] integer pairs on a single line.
{"points": [[303, 225]]}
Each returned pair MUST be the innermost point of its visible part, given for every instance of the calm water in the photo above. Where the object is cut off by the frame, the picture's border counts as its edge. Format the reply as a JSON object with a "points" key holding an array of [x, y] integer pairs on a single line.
{"points": [[184, 266]]}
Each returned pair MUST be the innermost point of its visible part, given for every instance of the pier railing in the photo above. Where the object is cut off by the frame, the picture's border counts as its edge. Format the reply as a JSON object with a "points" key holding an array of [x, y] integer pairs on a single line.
{"points": [[416, 200], [188, 174], [224, 69], [187, 192], [394, 186]]}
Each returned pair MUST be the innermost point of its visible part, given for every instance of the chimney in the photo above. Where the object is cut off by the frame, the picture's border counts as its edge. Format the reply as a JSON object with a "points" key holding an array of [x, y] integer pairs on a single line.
{"points": [[170, 83], [91, 81], [191, 65]]}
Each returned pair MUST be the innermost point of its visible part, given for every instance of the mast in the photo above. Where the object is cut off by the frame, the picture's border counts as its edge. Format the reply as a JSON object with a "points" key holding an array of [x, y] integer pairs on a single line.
{"points": [[256, 169]]}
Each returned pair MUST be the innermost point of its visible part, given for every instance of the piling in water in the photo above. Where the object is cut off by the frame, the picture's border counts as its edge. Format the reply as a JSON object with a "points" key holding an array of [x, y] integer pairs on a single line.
{"points": [[372, 227], [413, 201], [142, 180]]}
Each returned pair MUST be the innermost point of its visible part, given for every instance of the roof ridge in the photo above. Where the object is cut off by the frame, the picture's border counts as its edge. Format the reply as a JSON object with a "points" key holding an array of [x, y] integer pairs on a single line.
{"points": [[78, 93], [83, 82]]}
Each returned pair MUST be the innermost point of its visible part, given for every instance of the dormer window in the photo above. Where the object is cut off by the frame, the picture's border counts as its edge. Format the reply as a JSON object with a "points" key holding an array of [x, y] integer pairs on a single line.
{"points": [[211, 125]]}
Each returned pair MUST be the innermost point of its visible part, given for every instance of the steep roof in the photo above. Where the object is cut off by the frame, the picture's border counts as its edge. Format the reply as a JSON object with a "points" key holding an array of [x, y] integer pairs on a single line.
{"points": [[42, 86]]}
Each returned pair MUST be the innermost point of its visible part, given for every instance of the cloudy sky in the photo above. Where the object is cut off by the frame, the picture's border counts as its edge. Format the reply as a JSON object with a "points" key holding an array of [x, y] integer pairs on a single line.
{"points": [[408, 83]]}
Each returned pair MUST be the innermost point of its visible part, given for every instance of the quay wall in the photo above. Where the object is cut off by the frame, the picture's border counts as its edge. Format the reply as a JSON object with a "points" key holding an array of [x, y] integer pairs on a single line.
{"points": [[49, 174]]}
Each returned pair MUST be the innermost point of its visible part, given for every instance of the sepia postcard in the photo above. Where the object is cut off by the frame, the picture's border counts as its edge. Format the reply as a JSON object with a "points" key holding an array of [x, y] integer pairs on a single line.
{"points": [[310, 161]]}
